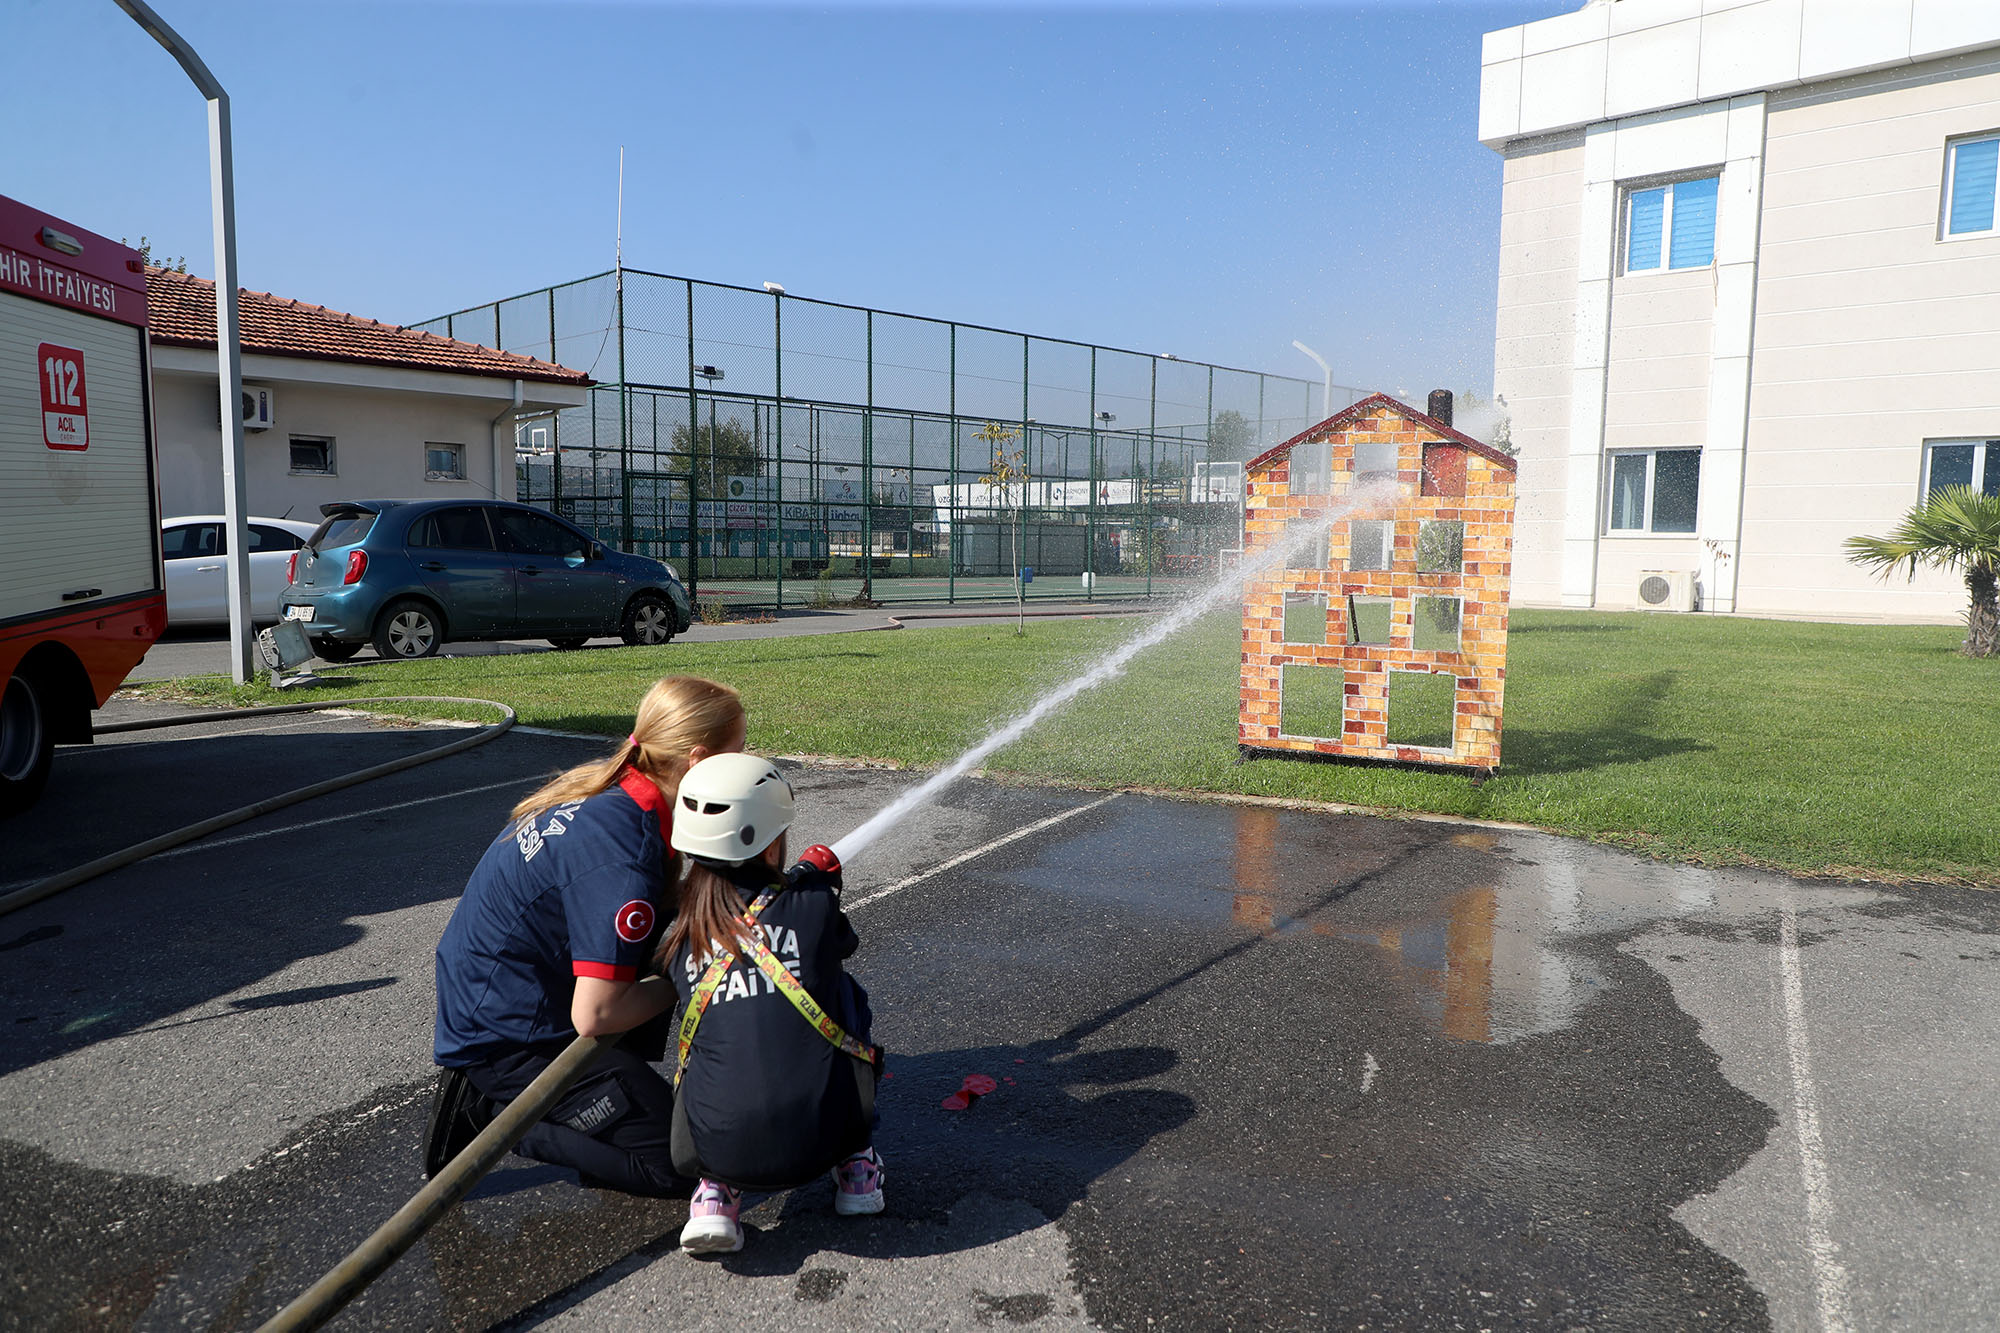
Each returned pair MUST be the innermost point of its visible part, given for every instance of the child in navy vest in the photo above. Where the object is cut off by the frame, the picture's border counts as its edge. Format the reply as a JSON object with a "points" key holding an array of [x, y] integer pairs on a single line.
{"points": [[776, 1080]]}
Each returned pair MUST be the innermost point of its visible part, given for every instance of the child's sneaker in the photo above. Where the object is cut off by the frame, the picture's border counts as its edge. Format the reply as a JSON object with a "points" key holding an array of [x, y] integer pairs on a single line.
{"points": [[857, 1185], [712, 1227]]}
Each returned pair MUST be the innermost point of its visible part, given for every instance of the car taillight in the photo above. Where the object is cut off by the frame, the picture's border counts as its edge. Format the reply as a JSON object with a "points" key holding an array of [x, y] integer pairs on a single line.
{"points": [[292, 568], [357, 565]]}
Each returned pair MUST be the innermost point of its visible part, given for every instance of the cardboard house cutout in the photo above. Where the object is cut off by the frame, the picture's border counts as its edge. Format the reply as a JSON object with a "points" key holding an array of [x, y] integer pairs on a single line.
{"points": [[1384, 637]]}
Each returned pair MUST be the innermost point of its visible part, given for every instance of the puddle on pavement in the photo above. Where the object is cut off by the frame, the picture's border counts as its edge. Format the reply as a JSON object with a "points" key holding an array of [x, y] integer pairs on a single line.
{"points": [[1480, 925]]}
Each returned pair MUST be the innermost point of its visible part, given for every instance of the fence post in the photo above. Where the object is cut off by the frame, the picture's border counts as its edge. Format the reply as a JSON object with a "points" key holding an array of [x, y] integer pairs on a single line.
{"points": [[1090, 520], [951, 495], [624, 423], [868, 475], [1152, 453], [778, 425], [694, 486]]}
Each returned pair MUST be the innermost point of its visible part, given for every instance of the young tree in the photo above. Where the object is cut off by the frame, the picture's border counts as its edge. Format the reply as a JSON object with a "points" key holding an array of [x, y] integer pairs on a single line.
{"points": [[728, 452], [1956, 527], [1010, 469], [1229, 436]]}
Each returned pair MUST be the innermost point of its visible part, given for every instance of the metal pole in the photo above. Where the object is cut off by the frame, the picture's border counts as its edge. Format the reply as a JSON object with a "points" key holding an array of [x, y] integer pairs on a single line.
{"points": [[713, 573], [694, 489], [951, 501], [1090, 520], [778, 425], [228, 352], [1020, 588], [868, 476], [624, 415]]}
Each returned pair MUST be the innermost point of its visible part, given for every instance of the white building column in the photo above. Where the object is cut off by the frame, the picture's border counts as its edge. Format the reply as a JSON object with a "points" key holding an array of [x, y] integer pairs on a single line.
{"points": [[1597, 245], [1738, 213]]}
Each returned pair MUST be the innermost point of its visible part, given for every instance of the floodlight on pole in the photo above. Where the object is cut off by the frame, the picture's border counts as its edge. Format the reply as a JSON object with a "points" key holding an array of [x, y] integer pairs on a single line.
{"points": [[711, 374], [228, 352], [1326, 393]]}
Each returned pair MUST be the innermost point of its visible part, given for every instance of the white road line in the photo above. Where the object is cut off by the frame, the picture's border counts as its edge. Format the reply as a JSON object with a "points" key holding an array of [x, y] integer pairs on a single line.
{"points": [[963, 857], [1369, 1069], [1830, 1277], [206, 846]]}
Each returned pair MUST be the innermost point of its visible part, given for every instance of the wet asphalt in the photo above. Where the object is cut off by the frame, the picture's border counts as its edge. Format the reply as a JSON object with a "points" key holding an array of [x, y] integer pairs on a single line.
{"points": [[1255, 1068]]}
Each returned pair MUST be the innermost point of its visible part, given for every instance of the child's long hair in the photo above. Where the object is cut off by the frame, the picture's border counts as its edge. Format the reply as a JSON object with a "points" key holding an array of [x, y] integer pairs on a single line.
{"points": [[677, 714], [710, 916]]}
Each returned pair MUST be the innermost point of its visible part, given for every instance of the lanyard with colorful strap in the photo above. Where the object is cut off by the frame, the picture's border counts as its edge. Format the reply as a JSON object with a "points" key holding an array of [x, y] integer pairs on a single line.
{"points": [[779, 976]]}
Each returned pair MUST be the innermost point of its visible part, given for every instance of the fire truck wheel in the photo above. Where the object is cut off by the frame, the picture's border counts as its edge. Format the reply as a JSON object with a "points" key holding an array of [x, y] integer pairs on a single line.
{"points": [[408, 628], [27, 743], [333, 650]]}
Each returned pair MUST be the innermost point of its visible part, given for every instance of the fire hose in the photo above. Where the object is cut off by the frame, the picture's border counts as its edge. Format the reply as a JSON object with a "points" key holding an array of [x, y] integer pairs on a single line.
{"points": [[367, 1261]]}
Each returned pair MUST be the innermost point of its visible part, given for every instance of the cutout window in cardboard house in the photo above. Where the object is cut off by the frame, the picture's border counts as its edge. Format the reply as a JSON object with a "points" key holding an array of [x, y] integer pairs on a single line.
{"points": [[1305, 619], [1440, 546], [1369, 543], [1312, 702], [1374, 464], [1421, 708], [1434, 628], [1369, 620]]}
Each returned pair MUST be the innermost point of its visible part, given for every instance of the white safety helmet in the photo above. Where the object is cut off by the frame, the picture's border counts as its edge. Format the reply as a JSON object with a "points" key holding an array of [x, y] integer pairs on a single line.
{"points": [[730, 808]]}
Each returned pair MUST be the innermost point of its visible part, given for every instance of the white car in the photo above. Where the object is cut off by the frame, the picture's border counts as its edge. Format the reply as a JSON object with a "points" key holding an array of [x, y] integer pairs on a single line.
{"points": [[195, 547]]}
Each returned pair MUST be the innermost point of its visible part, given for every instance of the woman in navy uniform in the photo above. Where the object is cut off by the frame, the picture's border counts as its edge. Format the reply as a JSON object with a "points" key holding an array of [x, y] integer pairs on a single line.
{"points": [[552, 939]]}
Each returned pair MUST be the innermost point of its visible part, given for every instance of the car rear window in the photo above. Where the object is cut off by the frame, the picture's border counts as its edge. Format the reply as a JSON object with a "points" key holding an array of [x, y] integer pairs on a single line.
{"points": [[340, 530]]}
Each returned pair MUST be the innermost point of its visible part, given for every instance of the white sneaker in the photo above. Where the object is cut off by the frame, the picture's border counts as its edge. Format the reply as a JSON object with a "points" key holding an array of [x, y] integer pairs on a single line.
{"points": [[712, 1227], [857, 1185]]}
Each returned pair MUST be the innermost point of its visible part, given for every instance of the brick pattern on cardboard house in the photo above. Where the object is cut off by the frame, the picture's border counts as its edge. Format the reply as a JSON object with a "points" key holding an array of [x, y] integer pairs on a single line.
{"points": [[1426, 569]]}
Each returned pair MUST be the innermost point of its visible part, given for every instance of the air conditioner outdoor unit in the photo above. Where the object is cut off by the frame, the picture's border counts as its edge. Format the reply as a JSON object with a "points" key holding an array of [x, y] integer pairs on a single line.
{"points": [[260, 407], [1666, 590]]}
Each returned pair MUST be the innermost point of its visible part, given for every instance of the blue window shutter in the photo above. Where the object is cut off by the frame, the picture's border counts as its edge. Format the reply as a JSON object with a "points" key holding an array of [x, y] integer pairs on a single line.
{"points": [[1694, 223], [1642, 229], [1972, 171]]}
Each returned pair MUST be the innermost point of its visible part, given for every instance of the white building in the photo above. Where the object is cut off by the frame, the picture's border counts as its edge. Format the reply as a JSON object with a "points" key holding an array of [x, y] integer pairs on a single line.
{"points": [[340, 408], [1749, 299]]}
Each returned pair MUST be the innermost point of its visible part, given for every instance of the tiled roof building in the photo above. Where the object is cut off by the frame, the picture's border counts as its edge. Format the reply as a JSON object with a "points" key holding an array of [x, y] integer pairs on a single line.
{"points": [[183, 315]]}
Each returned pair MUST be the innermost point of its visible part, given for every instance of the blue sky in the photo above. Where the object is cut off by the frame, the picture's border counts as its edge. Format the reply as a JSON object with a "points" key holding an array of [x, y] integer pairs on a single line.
{"points": [[1211, 181]]}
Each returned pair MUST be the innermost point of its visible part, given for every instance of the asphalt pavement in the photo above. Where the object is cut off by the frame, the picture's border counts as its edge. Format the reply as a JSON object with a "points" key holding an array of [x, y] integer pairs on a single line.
{"points": [[1255, 1068]]}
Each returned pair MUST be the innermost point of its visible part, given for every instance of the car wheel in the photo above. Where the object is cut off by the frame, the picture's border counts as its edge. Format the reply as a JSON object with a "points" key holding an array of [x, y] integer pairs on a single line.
{"points": [[27, 743], [569, 645], [408, 628], [333, 650], [649, 620]]}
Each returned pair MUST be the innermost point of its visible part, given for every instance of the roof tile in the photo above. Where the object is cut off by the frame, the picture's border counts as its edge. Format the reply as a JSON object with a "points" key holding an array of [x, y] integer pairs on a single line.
{"points": [[183, 315]]}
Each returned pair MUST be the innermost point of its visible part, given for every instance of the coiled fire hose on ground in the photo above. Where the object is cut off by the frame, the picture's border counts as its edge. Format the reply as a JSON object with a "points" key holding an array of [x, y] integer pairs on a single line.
{"points": [[367, 1261]]}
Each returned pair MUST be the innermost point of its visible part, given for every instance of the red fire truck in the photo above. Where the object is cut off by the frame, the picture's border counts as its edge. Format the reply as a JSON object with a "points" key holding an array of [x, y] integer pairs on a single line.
{"points": [[81, 596]]}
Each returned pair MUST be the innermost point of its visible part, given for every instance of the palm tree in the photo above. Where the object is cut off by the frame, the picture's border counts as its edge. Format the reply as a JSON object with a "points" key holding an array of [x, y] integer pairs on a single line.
{"points": [[1956, 527]]}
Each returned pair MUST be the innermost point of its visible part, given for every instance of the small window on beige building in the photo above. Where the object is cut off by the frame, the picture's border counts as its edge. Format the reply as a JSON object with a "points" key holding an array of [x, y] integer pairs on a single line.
{"points": [[1374, 464], [312, 455], [444, 462]]}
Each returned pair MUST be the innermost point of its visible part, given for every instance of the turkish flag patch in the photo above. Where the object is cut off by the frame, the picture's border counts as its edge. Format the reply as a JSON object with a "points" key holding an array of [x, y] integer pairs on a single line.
{"points": [[635, 921]]}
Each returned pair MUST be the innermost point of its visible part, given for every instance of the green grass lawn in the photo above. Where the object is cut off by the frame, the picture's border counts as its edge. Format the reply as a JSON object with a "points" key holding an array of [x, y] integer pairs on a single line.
{"points": [[1824, 749]]}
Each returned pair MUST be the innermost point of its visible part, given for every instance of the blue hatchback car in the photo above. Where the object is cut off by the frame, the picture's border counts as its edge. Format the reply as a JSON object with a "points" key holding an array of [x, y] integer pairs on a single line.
{"points": [[405, 575]]}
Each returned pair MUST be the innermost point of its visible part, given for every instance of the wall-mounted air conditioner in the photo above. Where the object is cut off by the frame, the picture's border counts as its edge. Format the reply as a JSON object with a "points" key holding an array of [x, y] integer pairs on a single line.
{"points": [[260, 407], [1666, 590]]}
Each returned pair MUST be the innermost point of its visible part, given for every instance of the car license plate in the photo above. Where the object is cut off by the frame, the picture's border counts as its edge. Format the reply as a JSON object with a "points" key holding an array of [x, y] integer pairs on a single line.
{"points": [[298, 613]]}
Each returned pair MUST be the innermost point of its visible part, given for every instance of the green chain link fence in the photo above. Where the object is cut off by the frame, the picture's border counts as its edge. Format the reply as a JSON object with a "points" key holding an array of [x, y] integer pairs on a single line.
{"points": [[783, 451]]}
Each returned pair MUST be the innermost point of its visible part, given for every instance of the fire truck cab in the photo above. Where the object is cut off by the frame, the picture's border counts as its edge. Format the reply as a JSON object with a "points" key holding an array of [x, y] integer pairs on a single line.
{"points": [[81, 590]]}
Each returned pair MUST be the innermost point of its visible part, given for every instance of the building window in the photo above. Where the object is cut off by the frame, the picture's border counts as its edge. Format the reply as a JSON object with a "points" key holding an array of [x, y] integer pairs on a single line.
{"points": [[444, 462], [1969, 169], [1654, 491], [312, 454], [1973, 463], [1671, 226]]}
